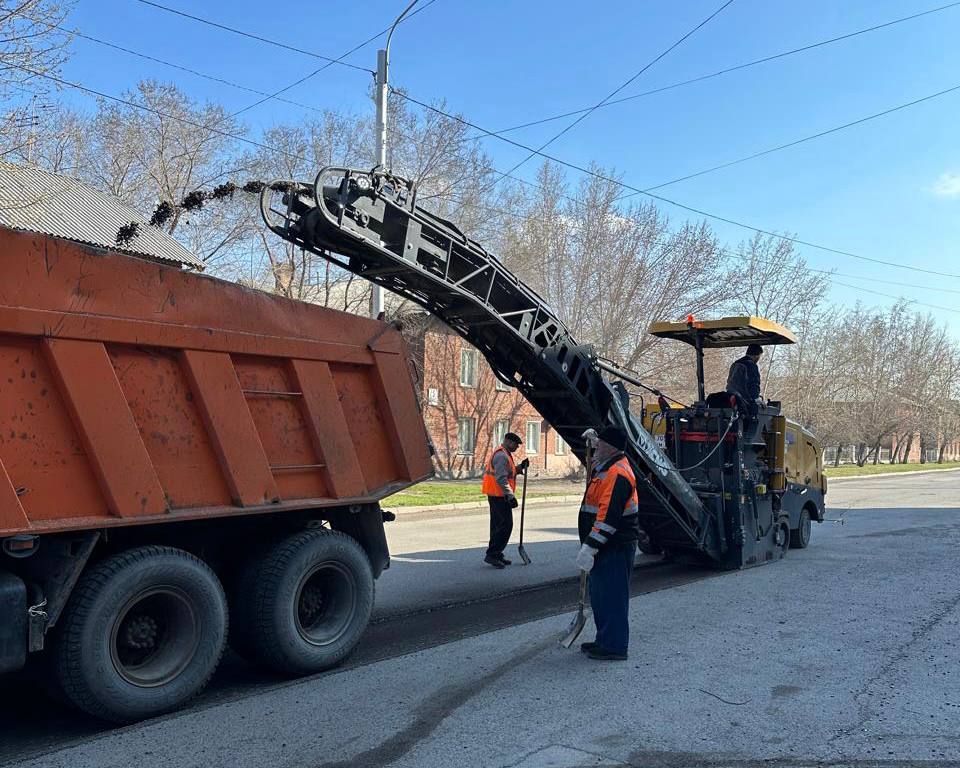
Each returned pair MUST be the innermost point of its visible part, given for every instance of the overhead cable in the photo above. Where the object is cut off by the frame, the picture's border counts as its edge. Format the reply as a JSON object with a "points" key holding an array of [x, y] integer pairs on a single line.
{"points": [[735, 68], [615, 91]]}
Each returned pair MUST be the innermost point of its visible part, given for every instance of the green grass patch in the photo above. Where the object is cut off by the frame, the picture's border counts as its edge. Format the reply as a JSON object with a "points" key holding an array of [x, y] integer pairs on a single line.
{"points": [[431, 493], [878, 469]]}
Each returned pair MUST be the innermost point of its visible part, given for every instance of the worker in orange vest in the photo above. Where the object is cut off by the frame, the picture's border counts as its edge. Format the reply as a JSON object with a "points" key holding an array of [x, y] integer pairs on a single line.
{"points": [[609, 529], [500, 485]]}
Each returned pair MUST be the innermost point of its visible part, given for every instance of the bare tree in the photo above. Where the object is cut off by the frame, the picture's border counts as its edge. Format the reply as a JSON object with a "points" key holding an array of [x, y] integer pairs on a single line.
{"points": [[33, 47], [165, 150], [610, 270]]}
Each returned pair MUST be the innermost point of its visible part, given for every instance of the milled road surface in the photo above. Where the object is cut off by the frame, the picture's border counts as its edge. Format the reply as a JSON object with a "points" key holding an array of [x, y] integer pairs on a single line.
{"points": [[845, 653]]}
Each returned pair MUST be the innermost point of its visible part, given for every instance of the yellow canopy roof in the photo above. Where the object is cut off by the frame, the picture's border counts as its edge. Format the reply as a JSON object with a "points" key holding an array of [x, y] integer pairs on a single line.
{"points": [[726, 332]]}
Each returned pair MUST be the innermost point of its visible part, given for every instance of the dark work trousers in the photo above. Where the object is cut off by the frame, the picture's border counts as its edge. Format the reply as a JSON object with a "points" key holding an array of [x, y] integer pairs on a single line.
{"points": [[501, 524], [610, 595]]}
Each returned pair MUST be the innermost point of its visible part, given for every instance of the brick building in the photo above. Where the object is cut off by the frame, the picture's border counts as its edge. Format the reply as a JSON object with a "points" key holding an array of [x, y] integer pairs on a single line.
{"points": [[468, 410]]}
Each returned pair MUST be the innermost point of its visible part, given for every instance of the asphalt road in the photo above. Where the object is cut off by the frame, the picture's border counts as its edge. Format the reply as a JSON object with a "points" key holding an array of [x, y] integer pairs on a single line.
{"points": [[845, 653]]}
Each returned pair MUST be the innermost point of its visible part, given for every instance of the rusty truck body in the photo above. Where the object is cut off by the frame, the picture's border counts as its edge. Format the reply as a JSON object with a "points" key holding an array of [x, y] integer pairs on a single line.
{"points": [[176, 450]]}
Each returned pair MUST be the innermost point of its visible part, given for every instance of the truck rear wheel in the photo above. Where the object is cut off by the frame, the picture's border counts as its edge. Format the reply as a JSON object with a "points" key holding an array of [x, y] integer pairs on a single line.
{"points": [[800, 536], [304, 604], [143, 632]]}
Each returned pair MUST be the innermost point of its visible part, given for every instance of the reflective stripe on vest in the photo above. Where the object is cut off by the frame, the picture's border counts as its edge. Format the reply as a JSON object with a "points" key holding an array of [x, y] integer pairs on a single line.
{"points": [[490, 486], [598, 497]]}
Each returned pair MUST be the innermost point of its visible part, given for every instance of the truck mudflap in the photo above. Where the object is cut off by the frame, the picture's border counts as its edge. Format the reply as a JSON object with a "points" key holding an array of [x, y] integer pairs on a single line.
{"points": [[364, 522], [13, 622]]}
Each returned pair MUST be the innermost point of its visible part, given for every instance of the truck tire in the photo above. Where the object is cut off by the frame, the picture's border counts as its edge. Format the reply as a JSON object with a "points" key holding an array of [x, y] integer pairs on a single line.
{"points": [[800, 536], [302, 606], [143, 633]]}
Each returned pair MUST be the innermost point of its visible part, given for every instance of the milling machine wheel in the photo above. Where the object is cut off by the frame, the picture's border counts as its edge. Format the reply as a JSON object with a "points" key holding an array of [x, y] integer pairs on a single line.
{"points": [[800, 536]]}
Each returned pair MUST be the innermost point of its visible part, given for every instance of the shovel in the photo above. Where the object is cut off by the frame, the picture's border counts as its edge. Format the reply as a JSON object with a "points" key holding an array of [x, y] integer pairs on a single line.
{"points": [[580, 620], [523, 505]]}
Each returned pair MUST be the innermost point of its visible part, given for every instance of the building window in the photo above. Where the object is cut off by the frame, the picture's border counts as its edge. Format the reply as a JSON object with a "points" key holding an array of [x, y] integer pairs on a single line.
{"points": [[466, 435], [533, 438], [560, 447], [500, 428], [468, 367], [501, 387], [433, 396]]}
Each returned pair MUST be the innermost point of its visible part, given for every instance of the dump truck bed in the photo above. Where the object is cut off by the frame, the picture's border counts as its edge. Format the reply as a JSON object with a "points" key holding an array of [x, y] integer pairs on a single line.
{"points": [[133, 392]]}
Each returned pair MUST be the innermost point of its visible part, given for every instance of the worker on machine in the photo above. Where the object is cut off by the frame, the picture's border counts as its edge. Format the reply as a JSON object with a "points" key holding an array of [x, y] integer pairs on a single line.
{"points": [[499, 485], [744, 380], [608, 534]]}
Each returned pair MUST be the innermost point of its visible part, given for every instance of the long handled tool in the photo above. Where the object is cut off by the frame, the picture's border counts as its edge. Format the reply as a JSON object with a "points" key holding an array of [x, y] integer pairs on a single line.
{"points": [[523, 505], [580, 620]]}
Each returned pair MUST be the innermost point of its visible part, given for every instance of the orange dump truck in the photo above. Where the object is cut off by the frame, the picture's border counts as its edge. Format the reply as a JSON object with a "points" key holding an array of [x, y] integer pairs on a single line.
{"points": [[181, 455]]}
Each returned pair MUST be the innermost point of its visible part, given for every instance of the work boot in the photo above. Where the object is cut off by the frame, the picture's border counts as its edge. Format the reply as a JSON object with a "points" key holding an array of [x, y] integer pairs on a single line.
{"points": [[495, 561], [504, 560], [587, 647], [601, 654]]}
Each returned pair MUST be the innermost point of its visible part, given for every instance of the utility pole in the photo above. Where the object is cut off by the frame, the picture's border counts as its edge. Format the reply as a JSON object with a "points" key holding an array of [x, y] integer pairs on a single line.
{"points": [[382, 87]]}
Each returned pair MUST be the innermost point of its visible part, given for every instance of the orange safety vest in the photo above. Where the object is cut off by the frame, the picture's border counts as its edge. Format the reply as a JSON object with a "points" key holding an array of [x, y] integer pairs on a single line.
{"points": [[597, 498], [490, 485]]}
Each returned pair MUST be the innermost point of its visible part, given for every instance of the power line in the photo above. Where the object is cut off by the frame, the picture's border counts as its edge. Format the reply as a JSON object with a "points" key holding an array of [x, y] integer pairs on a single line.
{"points": [[734, 68], [794, 143], [561, 221], [615, 91], [238, 86], [667, 200], [185, 121], [900, 298], [538, 152], [172, 65], [158, 112], [252, 36], [329, 61]]}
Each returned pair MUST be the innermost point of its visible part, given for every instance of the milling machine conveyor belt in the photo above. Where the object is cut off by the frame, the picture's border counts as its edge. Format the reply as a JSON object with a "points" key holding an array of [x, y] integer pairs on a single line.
{"points": [[369, 224]]}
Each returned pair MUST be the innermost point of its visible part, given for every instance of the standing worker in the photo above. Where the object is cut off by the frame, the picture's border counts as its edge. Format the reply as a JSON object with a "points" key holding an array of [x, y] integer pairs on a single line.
{"points": [[500, 485], [608, 533], [744, 379]]}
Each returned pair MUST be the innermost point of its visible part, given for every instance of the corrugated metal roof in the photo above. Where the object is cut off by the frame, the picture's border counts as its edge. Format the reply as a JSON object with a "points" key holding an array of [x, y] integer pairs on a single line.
{"points": [[37, 201]]}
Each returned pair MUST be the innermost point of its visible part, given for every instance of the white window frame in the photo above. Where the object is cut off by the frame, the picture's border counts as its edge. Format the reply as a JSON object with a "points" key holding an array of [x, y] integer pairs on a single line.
{"points": [[468, 368], [560, 447], [500, 386], [433, 396], [528, 447], [471, 423], [497, 434]]}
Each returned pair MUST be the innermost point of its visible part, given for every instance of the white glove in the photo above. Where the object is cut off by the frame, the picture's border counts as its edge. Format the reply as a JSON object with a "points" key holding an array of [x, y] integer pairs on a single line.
{"points": [[585, 558]]}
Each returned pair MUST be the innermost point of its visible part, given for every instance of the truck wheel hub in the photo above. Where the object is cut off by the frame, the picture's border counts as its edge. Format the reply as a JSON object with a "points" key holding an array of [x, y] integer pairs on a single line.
{"points": [[155, 636], [326, 603], [141, 632]]}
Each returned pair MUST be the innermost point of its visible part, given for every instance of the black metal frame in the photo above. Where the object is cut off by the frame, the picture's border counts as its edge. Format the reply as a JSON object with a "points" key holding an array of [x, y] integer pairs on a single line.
{"points": [[369, 224]]}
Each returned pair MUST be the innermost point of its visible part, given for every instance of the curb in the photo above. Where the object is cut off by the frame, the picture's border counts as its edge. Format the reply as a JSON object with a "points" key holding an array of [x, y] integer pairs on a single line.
{"points": [[468, 507], [478, 507], [907, 473]]}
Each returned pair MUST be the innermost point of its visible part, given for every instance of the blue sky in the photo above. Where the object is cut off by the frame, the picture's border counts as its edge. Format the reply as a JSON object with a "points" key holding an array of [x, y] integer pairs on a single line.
{"points": [[888, 189]]}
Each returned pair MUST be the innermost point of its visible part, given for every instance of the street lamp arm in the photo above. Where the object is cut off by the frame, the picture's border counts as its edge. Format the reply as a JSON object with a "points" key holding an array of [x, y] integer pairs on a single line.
{"points": [[399, 19]]}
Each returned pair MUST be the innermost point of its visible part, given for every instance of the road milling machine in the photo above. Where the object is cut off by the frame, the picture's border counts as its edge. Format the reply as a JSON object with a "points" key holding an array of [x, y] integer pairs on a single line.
{"points": [[714, 488]]}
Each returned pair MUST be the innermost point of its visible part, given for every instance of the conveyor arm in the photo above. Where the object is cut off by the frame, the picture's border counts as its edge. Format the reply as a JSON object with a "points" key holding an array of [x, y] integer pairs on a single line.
{"points": [[369, 223]]}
